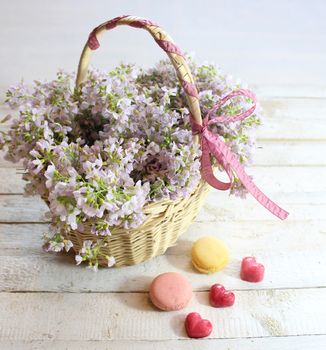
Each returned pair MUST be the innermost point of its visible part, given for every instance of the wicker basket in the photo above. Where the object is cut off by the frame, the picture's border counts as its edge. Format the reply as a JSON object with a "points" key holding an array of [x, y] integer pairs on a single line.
{"points": [[165, 220]]}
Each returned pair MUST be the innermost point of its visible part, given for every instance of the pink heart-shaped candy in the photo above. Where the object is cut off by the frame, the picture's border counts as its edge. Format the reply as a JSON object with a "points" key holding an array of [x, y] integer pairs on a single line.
{"points": [[251, 270], [220, 297], [197, 327]]}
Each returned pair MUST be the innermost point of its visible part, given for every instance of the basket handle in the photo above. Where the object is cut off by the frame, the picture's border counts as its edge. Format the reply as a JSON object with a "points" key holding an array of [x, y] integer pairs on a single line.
{"points": [[163, 40]]}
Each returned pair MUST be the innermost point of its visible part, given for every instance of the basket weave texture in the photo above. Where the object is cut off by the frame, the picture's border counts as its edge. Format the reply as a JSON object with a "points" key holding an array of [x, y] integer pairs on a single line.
{"points": [[165, 221]]}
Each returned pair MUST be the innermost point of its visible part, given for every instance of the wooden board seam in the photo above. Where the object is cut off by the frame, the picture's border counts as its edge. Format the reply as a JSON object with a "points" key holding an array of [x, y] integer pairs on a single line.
{"points": [[146, 291]]}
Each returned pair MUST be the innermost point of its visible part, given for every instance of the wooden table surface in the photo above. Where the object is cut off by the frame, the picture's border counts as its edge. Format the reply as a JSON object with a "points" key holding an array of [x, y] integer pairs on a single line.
{"points": [[48, 303]]}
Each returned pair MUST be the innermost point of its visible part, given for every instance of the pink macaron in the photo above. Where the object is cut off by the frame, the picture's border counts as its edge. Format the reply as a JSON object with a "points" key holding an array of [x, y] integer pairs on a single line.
{"points": [[170, 291]]}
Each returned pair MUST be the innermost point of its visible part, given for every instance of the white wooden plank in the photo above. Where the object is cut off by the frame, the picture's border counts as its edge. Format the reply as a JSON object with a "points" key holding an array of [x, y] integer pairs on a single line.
{"points": [[289, 153], [218, 207], [283, 118], [296, 118], [302, 207], [24, 239], [281, 179], [290, 91], [315, 342], [293, 254], [67, 316], [19, 208], [57, 273], [11, 181]]}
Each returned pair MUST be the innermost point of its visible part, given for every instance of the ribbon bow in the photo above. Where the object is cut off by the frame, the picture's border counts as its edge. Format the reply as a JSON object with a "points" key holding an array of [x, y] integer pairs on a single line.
{"points": [[212, 144]]}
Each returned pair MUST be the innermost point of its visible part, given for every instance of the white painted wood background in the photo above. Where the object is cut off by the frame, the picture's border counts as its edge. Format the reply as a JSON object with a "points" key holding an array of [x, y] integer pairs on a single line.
{"points": [[279, 48]]}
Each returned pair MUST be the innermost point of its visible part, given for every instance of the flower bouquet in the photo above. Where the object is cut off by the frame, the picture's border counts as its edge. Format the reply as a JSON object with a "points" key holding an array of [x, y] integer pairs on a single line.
{"points": [[123, 159]]}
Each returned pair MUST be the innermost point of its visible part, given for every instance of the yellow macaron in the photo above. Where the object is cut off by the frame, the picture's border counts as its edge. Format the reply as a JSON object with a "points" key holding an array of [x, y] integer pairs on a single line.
{"points": [[209, 254]]}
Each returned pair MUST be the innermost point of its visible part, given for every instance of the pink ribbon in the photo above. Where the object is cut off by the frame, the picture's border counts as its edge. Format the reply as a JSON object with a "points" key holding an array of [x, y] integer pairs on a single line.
{"points": [[212, 144]]}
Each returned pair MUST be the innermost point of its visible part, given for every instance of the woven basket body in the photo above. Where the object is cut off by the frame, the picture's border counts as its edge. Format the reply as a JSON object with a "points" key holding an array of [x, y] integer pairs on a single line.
{"points": [[165, 220]]}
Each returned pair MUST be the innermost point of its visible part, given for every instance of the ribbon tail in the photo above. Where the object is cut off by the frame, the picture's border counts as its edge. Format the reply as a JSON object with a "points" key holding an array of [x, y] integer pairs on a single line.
{"points": [[207, 171], [217, 147]]}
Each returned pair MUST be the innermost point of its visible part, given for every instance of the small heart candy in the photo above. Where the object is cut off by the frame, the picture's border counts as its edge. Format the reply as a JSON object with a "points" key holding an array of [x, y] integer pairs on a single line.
{"points": [[251, 271], [196, 327], [220, 297]]}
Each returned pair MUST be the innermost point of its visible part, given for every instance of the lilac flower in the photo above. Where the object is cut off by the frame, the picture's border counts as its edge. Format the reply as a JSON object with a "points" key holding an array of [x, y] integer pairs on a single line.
{"points": [[111, 261], [86, 248], [68, 245], [101, 227], [54, 244], [238, 189], [49, 173], [78, 259], [72, 218]]}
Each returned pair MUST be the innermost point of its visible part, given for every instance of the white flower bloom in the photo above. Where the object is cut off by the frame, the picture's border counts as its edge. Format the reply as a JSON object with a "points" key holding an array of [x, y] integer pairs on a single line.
{"points": [[78, 259], [49, 175], [56, 246], [111, 261], [72, 219], [68, 245], [86, 245]]}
